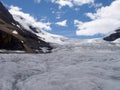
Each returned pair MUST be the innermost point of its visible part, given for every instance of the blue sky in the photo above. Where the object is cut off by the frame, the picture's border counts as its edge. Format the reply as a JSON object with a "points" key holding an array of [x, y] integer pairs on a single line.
{"points": [[57, 12]]}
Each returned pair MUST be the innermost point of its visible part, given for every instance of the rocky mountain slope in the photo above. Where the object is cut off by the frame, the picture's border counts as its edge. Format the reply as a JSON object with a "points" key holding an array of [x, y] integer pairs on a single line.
{"points": [[15, 37], [29, 23], [113, 36]]}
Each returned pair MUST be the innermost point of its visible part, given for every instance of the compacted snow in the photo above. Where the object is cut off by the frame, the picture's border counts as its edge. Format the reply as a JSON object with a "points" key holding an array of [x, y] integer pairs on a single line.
{"points": [[79, 66]]}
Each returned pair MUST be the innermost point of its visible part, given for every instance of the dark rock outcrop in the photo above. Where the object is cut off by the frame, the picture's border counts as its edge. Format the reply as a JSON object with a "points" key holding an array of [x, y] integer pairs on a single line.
{"points": [[13, 37], [113, 36], [5, 15]]}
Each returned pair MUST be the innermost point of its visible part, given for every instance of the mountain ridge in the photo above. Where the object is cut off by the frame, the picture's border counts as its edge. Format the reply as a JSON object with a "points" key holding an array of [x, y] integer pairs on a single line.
{"points": [[14, 37]]}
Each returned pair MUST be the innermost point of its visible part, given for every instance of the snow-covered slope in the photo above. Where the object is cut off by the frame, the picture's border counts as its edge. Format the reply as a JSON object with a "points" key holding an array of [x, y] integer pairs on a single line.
{"points": [[37, 27], [14, 37], [117, 41], [69, 67]]}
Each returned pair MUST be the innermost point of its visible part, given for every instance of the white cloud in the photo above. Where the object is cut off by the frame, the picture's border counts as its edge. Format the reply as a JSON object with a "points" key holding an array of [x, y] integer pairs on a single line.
{"points": [[78, 23], [59, 14], [97, 5], [105, 20], [72, 3], [82, 2], [62, 23], [37, 1], [99, 26], [77, 9], [28, 19], [90, 15], [63, 2]]}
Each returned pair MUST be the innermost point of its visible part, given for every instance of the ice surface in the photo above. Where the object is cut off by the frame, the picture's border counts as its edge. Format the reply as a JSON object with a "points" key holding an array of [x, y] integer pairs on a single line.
{"points": [[79, 66]]}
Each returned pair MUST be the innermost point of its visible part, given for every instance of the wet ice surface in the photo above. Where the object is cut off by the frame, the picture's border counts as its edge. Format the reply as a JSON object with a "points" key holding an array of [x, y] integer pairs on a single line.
{"points": [[69, 67]]}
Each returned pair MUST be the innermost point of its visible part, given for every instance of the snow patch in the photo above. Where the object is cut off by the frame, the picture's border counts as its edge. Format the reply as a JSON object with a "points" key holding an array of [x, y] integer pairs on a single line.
{"points": [[15, 32]]}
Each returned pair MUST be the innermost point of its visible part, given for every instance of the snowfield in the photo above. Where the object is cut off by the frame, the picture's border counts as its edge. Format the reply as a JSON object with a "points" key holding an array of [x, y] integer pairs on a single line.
{"points": [[76, 66]]}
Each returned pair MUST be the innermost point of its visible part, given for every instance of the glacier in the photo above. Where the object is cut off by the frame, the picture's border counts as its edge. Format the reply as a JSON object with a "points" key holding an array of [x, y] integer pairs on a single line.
{"points": [[76, 65]]}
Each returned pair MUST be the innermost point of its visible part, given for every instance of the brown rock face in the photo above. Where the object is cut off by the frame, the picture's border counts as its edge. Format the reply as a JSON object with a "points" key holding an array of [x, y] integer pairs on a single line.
{"points": [[17, 38]]}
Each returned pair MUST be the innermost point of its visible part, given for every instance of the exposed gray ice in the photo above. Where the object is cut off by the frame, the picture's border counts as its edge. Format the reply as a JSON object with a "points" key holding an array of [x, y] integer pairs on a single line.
{"points": [[86, 66]]}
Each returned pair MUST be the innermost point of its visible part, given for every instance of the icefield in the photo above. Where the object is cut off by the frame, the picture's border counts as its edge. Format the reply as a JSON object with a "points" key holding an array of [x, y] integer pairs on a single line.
{"points": [[87, 65]]}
